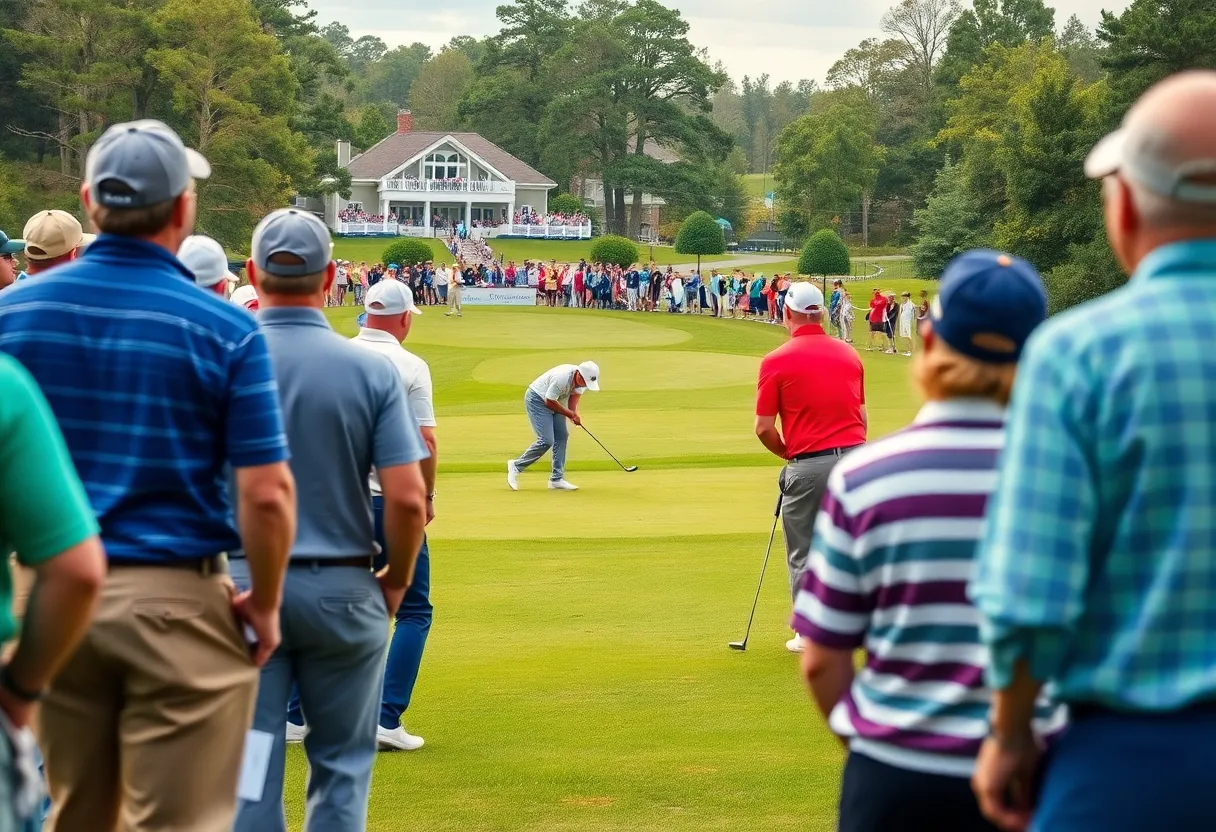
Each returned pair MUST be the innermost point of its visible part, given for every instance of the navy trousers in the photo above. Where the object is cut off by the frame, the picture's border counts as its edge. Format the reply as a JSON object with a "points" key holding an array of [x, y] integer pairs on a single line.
{"points": [[1130, 773], [876, 797], [413, 625]]}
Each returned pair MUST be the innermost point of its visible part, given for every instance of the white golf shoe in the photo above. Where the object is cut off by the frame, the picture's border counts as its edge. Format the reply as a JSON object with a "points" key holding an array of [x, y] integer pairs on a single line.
{"points": [[794, 645], [512, 475], [296, 733], [562, 485], [397, 739]]}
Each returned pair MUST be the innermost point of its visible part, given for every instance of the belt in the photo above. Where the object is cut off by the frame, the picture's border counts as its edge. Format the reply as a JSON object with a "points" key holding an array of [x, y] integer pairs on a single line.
{"points": [[212, 565], [357, 562], [823, 453]]}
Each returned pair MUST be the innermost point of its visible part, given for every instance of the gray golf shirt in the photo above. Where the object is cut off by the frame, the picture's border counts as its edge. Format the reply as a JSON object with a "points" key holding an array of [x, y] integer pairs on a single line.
{"points": [[345, 411]]}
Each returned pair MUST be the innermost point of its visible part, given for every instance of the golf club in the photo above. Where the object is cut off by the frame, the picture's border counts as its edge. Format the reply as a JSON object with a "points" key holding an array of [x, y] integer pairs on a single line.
{"points": [[742, 645], [629, 469]]}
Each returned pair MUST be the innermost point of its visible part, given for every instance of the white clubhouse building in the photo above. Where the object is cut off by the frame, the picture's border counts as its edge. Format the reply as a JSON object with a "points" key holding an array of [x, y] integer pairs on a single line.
{"points": [[410, 180]]}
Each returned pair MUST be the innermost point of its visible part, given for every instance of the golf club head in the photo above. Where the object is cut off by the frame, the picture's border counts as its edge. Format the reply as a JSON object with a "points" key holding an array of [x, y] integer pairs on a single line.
{"points": [[738, 645], [631, 469]]}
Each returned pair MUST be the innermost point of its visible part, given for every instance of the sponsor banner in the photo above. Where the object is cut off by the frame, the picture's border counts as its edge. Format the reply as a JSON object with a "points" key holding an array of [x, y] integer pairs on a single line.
{"points": [[498, 297]]}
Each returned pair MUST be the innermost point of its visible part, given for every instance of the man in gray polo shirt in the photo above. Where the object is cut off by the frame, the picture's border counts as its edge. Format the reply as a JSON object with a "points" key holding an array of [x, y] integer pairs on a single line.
{"points": [[346, 412]]}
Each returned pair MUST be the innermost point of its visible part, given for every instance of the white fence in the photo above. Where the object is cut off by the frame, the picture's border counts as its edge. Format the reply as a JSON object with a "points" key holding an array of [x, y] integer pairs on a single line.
{"points": [[448, 186], [382, 229], [548, 232]]}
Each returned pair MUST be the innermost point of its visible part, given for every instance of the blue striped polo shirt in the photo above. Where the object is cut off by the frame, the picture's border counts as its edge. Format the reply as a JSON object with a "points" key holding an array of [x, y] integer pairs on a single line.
{"points": [[893, 551], [156, 385]]}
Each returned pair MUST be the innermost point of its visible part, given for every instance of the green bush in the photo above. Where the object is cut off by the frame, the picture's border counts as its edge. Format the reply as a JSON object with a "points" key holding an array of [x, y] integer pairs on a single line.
{"points": [[618, 251], [565, 204], [825, 254], [700, 234], [407, 252]]}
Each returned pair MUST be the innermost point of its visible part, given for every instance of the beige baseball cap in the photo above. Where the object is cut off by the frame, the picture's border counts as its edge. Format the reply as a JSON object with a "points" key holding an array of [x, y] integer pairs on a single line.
{"points": [[51, 234]]}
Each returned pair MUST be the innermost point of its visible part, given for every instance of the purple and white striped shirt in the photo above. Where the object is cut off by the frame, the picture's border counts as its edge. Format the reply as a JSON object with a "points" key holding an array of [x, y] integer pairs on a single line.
{"points": [[893, 551]]}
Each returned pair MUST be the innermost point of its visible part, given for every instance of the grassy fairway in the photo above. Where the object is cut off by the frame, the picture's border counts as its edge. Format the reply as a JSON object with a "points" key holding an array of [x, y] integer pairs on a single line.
{"points": [[577, 676]]}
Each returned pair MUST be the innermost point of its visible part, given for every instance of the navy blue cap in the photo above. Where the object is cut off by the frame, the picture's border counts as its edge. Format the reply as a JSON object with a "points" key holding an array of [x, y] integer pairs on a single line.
{"points": [[988, 305], [8, 246]]}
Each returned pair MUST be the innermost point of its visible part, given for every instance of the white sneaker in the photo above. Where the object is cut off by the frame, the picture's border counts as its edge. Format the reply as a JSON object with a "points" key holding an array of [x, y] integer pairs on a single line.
{"points": [[794, 645], [512, 475], [562, 485], [397, 739], [296, 733]]}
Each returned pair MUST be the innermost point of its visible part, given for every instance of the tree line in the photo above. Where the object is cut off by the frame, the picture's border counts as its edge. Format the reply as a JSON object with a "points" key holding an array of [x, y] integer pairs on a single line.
{"points": [[960, 126]]}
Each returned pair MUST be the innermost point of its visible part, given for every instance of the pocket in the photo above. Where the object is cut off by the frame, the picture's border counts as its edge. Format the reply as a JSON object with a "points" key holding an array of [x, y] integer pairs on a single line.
{"points": [[169, 610], [353, 617]]}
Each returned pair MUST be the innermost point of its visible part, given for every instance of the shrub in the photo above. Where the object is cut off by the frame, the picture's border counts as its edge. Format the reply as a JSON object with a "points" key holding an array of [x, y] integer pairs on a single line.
{"points": [[825, 254], [565, 204], [700, 234], [619, 251], [407, 252]]}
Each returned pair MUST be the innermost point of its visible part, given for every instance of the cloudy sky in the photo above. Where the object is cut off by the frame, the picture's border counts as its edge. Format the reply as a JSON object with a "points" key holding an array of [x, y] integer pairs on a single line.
{"points": [[788, 39]]}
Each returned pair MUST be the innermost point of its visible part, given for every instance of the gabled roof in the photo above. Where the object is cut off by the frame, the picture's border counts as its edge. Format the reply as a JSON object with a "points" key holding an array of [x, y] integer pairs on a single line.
{"points": [[391, 153]]}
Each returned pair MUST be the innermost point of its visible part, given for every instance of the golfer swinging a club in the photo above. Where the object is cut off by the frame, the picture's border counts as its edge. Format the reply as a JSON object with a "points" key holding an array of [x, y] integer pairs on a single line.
{"points": [[550, 401]]}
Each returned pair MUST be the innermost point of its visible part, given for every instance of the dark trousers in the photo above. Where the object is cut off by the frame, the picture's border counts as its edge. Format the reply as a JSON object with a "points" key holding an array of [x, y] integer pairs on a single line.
{"points": [[413, 625], [1131, 773], [876, 797]]}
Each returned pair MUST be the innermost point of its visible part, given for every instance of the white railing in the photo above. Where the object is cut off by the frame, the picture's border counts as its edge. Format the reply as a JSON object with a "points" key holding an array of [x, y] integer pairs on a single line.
{"points": [[357, 229], [447, 186], [560, 232]]}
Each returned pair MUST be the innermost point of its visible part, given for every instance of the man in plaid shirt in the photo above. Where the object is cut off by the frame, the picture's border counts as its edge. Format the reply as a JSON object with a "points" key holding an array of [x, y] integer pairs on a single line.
{"points": [[1097, 572]]}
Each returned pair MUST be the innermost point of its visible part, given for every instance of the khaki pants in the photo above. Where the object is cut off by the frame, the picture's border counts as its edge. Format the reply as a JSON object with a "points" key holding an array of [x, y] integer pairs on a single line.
{"points": [[454, 293], [144, 728]]}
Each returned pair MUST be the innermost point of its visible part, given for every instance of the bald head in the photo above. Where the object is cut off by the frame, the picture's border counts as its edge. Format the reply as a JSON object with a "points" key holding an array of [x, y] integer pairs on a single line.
{"points": [[1160, 167]]}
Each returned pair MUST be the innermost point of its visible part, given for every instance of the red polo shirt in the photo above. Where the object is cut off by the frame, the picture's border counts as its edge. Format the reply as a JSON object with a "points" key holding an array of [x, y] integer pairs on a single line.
{"points": [[878, 310], [815, 385]]}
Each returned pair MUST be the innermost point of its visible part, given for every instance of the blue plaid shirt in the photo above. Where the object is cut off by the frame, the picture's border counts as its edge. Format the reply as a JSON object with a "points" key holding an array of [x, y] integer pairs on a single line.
{"points": [[1098, 566]]}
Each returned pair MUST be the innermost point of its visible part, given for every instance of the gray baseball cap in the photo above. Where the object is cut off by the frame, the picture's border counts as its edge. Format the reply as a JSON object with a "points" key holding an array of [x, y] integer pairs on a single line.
{"points": [[1146, 155], [288, 231], [141, 163]]}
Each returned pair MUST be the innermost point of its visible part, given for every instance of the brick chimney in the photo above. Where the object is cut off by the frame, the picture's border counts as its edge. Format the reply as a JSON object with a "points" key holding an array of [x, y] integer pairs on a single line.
{"points": [[405, 121]]}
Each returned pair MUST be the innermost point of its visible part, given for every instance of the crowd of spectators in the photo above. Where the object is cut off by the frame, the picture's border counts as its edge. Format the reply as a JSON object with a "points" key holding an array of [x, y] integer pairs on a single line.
{"points": [[527, 216]]}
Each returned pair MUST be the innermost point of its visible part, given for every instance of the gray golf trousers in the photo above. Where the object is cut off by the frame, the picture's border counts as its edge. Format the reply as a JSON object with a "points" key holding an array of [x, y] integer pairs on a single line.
{"points": [[803, 484], [551, 432]]}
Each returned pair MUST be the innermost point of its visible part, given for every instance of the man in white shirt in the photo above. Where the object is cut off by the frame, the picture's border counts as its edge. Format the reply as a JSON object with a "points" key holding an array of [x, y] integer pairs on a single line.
{"points": [[550, 401], [455, 288], [386, 323]]}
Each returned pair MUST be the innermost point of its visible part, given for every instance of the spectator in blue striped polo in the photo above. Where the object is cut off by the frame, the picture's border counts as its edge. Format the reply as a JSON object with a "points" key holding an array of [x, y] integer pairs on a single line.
{"points": [[892, 553], [157, 391], [1097, 572]]}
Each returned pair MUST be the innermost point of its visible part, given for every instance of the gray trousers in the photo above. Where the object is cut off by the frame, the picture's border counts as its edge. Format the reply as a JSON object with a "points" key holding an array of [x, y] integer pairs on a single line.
{"points": [[335, 633], [802, 487], [551, 432]]}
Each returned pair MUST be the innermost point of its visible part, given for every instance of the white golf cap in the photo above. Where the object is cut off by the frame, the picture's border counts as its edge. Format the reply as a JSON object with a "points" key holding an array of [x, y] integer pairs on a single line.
{"points": [[590, 371], [390, 297], [205, 259], [804, 298], [245, 296], [1148, 156]]}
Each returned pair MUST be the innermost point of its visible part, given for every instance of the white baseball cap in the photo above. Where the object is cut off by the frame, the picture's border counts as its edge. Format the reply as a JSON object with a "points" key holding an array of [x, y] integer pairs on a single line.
{"points": [[803, 298], [590, 371], [390, 297], [245, 296], [205, 259], [1148, 156]]}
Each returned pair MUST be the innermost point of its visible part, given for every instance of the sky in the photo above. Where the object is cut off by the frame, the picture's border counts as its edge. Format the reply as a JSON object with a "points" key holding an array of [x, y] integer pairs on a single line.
{"points": [[788, 39]]}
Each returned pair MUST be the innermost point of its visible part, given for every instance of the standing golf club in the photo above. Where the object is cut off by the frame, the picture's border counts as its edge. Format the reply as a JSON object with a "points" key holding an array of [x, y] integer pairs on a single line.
{"points": [[629, 469], [742, 645]]}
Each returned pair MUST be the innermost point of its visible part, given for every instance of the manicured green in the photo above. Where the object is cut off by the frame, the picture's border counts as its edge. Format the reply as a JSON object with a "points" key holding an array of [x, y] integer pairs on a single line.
{"points": [[824, 254], [407, 251], [370, 250], [577, 676]]}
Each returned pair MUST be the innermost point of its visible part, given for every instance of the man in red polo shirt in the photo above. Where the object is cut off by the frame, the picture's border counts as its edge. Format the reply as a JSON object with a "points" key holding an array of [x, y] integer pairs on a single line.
{"points": [[878, 319], [815, 385]]}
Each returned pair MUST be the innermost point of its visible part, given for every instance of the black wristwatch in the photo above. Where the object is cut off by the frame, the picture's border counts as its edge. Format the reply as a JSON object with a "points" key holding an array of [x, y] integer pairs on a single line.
{"points": [[10, 684]]}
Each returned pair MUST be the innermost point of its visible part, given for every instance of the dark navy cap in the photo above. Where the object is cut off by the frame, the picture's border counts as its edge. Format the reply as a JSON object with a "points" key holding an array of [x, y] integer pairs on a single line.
{"points": [[988, 305], [141, 163], [288, 231]]}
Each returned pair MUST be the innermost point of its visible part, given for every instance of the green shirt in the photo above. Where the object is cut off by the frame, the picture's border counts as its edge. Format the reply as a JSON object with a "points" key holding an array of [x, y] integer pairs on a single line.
{"points": [[43, 507]]}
